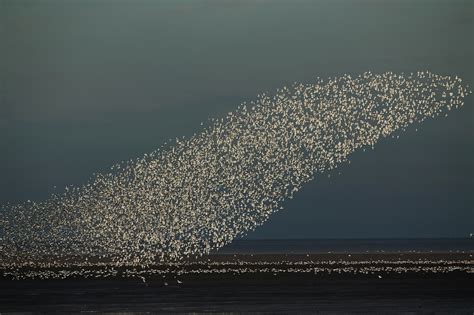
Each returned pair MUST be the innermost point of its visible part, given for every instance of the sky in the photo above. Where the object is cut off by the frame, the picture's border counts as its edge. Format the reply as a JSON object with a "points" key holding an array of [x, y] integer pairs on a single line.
{"points": [[86, 84]]}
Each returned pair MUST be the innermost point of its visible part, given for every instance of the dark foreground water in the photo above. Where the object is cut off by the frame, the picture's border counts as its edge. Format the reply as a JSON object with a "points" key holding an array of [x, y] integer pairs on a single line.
{"points": [[444, 294]]}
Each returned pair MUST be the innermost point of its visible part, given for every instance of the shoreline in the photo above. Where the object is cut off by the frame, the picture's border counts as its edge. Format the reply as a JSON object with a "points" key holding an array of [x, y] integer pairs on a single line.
{"points": [[318, 264], [441, 283]]}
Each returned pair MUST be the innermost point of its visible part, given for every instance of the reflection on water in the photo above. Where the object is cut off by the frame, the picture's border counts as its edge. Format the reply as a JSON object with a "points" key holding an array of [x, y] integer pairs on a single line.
{"points": [[291, 293]]}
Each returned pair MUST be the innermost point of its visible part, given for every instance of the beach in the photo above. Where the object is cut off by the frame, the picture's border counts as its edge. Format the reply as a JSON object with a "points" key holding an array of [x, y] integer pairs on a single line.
{"points": [[326, 283]]}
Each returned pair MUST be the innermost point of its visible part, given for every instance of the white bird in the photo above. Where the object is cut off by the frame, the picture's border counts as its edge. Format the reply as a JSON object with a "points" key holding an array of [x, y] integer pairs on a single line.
{"points": [[199, 193]]}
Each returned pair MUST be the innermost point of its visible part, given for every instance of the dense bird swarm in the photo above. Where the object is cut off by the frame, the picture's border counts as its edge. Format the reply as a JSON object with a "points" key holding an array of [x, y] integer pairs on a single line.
{"points": [[196, 195]]}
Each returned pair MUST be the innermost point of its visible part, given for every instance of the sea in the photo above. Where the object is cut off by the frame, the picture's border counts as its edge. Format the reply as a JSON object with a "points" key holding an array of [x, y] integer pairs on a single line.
{"points": [[315, 246]]}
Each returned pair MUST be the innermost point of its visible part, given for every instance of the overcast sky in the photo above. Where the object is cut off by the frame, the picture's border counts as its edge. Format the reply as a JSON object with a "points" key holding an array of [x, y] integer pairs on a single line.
{"points": [[85, 84]]}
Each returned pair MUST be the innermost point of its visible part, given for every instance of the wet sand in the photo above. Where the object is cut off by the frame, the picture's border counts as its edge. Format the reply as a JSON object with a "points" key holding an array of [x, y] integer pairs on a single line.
{"points": [[423, 282], [443, 293], [320, 263]]}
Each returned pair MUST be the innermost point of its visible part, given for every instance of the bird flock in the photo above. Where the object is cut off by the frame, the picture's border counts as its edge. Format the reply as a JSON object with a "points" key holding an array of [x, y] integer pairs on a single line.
{"points": [[195, 195]]}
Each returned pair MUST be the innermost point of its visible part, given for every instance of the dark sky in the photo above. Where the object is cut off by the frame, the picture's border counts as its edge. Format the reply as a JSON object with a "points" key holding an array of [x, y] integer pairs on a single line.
{"points": [[85, 84]]}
